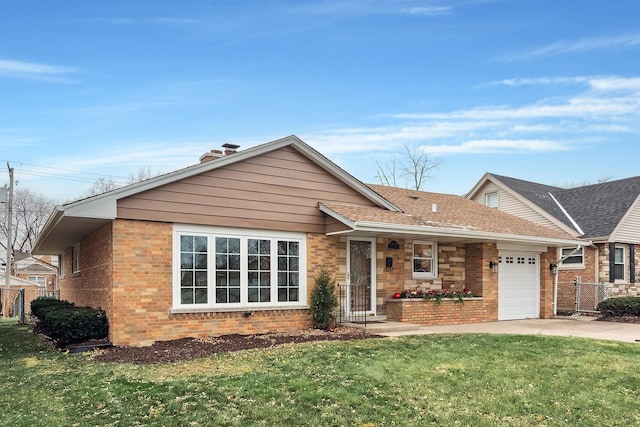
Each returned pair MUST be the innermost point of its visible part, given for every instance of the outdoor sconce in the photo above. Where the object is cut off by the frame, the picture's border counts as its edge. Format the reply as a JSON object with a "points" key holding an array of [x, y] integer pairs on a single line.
{"points": [[553, 268], [493, 266], [393, 245]]}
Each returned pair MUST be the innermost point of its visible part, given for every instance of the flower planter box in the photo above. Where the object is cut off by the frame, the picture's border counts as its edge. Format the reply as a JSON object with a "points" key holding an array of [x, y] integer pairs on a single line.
{"points": [[431, 312]]}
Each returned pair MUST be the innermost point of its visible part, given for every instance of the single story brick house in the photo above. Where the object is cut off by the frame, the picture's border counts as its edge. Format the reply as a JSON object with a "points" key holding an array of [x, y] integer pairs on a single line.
{"points": [[232, 245], [605, 216]]}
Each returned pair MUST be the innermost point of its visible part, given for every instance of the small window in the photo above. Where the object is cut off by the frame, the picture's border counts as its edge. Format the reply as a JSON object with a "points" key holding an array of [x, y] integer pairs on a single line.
{"points": [[491, 200], [575, 257], [40, 280], [619, 264], [424, 259], [75, 258]]}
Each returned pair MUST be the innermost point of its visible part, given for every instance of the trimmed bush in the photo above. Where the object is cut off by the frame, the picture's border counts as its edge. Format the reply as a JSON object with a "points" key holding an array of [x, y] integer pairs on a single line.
{"points": [[41, 304], [621, 306], [323, 300], [75, 324]]}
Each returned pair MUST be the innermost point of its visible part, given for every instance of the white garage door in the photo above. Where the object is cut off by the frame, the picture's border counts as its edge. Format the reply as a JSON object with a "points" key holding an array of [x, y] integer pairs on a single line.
{"points": [[518, 285]]}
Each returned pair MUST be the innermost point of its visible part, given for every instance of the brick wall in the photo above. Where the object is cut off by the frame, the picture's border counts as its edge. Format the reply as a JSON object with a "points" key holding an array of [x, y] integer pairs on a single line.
{"points": [[142, 290], [430, 313], [547, 283], [91, 286]]}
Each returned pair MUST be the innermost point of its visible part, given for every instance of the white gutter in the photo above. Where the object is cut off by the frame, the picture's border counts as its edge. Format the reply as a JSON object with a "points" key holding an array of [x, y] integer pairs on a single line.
{"points": [[575, 224]]}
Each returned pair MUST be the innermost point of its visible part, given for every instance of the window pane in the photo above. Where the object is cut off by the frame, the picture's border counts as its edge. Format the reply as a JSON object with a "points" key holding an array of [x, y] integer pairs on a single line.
{"points": [[186, 243], [293, 294], [265, 263], [265, 295], [619, 256], [265, 247], [293, 280], [282, 294], [186, 278], [252, 246], [282, 247], [253, 262], [186, 296], [619, 271], [201, 261], [200, 244], [234, 295], [201, 296], [282, 279], [253, 279], [221, 245], [221, 279], [282, 263], [253, 295], [293, 264], [186, 260], [201, 279], [234, 262], [293, 248], [234, 279], [234, 246], [221, 296]]}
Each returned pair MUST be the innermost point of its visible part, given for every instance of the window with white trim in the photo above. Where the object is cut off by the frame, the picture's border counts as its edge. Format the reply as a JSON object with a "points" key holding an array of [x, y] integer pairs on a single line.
{"points": [[40, 280], [75, 258], [619, 263], [575, 257], [491, 199], [218, 267], [424, 259]]}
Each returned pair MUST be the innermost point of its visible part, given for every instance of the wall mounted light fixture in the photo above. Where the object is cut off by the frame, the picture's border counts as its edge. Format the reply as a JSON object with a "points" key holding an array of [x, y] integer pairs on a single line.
{"points": [[393, 245], [553, 268], [493, 266]]}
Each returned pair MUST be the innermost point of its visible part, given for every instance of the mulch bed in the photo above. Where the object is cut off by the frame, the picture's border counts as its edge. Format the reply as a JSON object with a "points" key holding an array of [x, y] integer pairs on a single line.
{"points": [[190, 348], [619, 319]]}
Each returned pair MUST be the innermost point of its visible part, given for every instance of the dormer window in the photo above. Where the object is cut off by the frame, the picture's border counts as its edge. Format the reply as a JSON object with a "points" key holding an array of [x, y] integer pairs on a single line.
{"points": [[491, 199]]}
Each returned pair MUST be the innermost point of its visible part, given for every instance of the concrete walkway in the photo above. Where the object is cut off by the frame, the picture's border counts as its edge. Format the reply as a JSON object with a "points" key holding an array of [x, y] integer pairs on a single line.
{"points": [[574, 326]]}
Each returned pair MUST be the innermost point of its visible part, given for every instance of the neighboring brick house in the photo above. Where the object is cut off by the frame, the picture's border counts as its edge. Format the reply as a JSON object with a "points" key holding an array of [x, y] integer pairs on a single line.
{"points": [[606, 216], [42, 270], [232, 245]]}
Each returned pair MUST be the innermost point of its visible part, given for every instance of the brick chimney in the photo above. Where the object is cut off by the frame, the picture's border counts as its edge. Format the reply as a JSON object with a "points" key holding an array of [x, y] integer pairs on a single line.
{"points": [[211, 155]]}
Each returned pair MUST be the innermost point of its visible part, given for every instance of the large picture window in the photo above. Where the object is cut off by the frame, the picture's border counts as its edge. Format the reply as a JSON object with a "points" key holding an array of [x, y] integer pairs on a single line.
{"points": [[424, 259], [221, 268]]}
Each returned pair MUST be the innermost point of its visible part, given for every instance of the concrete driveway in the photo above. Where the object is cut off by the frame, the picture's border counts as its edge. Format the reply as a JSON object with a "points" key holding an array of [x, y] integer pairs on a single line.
{"points": [[574, 326]]}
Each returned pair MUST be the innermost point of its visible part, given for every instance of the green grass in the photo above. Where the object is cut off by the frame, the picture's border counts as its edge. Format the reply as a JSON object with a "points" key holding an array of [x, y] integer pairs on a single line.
{"points": [[478, 380]]}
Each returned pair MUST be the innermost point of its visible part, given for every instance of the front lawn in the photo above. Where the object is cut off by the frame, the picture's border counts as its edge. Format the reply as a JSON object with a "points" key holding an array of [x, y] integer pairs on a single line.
{"points": [[479, 380]]}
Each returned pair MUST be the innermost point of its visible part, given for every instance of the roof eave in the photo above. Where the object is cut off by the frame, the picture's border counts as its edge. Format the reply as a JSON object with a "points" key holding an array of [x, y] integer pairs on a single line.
{"points": [[462, 234]]}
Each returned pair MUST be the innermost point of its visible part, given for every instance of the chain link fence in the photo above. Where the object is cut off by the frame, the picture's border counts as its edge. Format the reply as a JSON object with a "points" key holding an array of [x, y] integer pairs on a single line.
{"points": [[582, 297]]}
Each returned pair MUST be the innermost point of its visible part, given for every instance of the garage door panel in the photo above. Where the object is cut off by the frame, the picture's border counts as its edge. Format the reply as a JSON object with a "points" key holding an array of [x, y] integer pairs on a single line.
{"points": [[518, 286]]}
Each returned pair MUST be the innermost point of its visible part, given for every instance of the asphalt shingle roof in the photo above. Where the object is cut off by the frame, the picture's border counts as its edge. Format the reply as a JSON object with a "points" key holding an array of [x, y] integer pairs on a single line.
{"points": [[453, 212], [596, 208]]}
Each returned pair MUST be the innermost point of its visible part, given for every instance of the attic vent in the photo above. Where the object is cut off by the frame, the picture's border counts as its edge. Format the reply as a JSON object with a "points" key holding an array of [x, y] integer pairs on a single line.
{"points": [[414, 197], [434, 208]]}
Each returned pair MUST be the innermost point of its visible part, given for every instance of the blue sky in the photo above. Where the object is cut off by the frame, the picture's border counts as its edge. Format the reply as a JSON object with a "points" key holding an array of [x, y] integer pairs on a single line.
{"points": [[547, 91]]}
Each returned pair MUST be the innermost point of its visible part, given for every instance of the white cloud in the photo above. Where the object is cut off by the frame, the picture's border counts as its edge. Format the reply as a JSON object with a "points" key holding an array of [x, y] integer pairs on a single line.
{"points": [[426, 10], [588, 44], [541, 81], [497, 146], [615, 83], [21, 67]]}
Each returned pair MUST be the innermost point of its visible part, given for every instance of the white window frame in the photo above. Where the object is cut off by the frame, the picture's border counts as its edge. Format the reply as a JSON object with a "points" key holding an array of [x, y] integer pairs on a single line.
{"points": [[571, 266], [624, 264], [40, 280], [244, 235], [75, 258], [487, 197], [434, 260]]}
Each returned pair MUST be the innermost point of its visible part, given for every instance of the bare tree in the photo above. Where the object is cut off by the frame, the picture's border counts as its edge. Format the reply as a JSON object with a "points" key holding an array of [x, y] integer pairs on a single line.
{"points": [[416, 168], [105, 184], [600, 180], [30, 212]]}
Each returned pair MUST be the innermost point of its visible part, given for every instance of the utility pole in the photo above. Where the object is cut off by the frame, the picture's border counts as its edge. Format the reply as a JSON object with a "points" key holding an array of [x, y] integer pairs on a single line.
{"points": [[7, 272]]}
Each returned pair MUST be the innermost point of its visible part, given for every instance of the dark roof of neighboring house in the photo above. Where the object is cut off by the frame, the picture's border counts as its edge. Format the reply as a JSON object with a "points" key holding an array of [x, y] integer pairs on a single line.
{"points": [[596, 208]]}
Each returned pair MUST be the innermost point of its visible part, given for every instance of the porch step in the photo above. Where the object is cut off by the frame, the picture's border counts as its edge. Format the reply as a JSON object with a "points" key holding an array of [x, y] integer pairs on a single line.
{"points": [[383, 326]]}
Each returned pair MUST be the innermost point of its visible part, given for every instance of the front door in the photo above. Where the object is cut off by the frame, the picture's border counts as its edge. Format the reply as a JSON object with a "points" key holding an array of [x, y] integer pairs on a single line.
{"points": [[361, 272]]}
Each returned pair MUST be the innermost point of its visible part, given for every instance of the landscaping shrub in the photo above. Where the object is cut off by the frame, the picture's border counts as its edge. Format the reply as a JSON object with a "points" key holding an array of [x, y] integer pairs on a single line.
{"points": [[621, 306], [41, 304], [75, 324], [323, 300]]}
